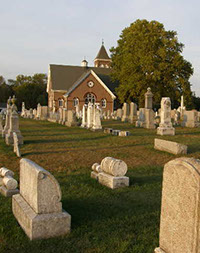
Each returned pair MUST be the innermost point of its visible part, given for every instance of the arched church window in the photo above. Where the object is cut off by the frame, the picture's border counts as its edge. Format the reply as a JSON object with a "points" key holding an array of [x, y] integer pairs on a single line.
{"points": [[103, 103], [75, 101], [90, 98], [60, 102], [102, 66]]}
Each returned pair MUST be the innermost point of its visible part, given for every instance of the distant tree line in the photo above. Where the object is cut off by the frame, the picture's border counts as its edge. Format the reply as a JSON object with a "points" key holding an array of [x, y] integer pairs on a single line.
{"points": [[28, 89]]}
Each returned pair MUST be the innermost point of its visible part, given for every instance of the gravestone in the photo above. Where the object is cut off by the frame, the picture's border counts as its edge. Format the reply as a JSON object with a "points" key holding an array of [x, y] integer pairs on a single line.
{"points": [[179, 220], [60, 111], [108, 130], [111, 173], [23, 109], [124, 133], [141, 118], [96, 118], [64, 116], [38, 207], [39, 111], [170, 146], [84, 115], [71, 119], [119, 114], [7, 122], [90, 115], [190, 119], [149, 119], [165, 126], [8, 185], [14, 127], [16, 145], [133, 112], [148, 99], [125, 112]]}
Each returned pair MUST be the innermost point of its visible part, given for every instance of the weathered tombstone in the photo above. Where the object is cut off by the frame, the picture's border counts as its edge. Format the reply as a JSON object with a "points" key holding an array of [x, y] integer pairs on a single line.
{"points": [[7, 123], [77, 108], [133, 112], [39, 111], [38, 207], [89, 115], [165, 126], [149, 119], [84, 114], [179, 220], [44, 112], [170, 146], [31, 116], [60, 111], [71, 119], [108, 130], [124, 133], [23, 109], [96, 118], [111, 173], [125, 112], [115, 132], [8, 185], [148, 99], [14, 127], [119, 114], [16, 145], [141, 118], [64, 116], [190, 119], [54, 106], [34, 113], [115, 115]]}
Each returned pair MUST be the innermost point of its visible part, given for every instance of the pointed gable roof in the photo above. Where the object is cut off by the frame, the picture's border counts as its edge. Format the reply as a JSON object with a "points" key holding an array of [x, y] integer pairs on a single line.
{"points": [[63, 77], [102, 54]]}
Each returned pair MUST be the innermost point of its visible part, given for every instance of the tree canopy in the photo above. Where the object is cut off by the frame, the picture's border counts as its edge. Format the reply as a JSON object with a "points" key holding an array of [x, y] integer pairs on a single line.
{"points": [[28, 89], [149, 56]]}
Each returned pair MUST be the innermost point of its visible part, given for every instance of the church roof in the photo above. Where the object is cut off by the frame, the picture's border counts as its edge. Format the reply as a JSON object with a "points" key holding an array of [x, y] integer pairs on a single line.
{"points": [[63, 77], [102, 54]]}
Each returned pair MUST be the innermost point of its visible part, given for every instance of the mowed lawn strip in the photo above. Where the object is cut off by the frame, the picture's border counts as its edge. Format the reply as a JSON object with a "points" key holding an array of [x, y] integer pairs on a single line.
{"points": [[103, 220]]}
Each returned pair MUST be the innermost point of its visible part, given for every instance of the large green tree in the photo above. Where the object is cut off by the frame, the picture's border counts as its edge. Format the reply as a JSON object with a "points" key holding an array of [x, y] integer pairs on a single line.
{"points": [[149, 56]]}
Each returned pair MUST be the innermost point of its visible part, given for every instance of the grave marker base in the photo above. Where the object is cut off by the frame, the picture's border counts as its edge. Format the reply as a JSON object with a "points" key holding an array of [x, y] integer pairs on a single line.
{"points": [[40, 226]]}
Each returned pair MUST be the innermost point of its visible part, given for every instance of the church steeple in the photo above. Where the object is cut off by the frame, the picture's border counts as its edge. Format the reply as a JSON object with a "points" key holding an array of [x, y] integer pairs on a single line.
{"points": [[102, 59]]}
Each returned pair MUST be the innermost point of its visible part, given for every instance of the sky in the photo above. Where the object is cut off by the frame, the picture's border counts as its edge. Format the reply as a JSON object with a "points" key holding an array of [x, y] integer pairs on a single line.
{"points": [[34, 34]]}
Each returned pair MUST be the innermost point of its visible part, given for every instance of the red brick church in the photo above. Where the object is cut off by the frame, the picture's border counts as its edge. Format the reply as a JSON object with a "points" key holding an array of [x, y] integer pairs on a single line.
{"points": [[71, 85]]}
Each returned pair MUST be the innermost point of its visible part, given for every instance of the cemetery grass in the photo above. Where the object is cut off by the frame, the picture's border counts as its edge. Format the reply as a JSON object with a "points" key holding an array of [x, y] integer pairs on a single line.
{"points": [[103, 220]]}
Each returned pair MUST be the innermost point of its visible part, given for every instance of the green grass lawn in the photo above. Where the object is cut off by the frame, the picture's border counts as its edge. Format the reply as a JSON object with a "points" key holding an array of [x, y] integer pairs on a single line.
{"points": [[103, 220]]}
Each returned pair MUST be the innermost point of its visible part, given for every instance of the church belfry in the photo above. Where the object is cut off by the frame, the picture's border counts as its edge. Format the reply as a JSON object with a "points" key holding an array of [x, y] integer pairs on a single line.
{"points": [[102, 59]]}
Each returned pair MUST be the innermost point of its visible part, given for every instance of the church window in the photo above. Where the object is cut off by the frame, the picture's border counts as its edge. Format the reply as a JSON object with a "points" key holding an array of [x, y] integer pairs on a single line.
{"points": [[60, 102], [90, 98], [103, 103], [75, 101], [102, 66]]}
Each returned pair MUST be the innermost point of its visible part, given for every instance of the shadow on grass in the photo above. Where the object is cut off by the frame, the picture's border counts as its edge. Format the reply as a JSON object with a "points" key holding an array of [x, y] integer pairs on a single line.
{"points": [[64, 140], [193, 148], [72, 149], [145, 180]]}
